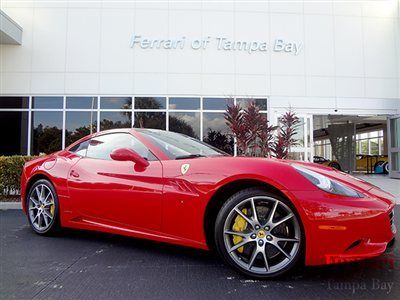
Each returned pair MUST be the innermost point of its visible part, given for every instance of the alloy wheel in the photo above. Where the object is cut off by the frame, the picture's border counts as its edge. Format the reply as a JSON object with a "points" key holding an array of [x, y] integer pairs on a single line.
{"points": [[262, 235], [41, 207]]}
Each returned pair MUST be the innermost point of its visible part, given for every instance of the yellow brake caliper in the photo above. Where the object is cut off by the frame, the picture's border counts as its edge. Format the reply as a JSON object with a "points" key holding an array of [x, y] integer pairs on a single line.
{"points": [[52, 210], [239, 226]]}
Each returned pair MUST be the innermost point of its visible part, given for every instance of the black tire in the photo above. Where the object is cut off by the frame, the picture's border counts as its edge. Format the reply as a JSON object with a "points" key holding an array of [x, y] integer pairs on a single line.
{"points": [[54, 224], [297, 260], [335, 165], [386, 168]]}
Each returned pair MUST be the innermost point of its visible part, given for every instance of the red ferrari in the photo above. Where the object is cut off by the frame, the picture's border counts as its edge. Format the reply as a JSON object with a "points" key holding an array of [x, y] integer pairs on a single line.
{"points": [[263, 216]]}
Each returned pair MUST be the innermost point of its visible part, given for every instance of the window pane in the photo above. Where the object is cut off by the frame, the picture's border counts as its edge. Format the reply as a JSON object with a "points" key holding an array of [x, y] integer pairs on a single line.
{"points": [[155, 120], [216, 132], [82, 102], [81, 148], [77, 125], [150, 102], [109, 120], [395, 132], [186, 123], [382, 146], [14, 102], [14, 133], [217, 103], [47, 102], [395, 160], [299, 133], [100, 147], [184, 103], [374, 147], [116, 102], [261, 103], [364, 147], [46, 132]]}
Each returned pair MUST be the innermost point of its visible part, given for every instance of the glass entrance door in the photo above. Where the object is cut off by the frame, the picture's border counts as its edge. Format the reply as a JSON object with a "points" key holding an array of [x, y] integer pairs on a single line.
{"points": [[304, 149], [394, 146]]}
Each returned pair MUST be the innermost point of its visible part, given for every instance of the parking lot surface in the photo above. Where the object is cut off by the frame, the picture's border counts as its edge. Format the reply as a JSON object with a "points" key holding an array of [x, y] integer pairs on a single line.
{"points": [[87, 265]]}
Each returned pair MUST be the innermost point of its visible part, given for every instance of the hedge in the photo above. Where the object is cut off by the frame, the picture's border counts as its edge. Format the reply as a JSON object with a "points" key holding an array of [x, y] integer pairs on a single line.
{"points": [[10, 173]]}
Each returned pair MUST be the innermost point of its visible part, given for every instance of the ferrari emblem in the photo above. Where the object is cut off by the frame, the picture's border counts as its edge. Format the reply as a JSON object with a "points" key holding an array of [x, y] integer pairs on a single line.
{"points": [[261, 234], [184, 168]]}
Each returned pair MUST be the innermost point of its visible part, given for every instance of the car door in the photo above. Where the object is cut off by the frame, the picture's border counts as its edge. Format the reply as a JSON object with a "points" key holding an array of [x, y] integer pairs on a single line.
{"points": [[115, 192]]}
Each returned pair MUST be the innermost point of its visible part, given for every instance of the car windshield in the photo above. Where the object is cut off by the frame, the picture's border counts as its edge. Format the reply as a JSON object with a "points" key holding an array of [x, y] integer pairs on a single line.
{"points": [[180, 146]]}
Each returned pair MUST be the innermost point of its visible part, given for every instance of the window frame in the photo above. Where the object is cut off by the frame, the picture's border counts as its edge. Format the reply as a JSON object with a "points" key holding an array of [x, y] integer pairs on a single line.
{"points": [[132, 110]]}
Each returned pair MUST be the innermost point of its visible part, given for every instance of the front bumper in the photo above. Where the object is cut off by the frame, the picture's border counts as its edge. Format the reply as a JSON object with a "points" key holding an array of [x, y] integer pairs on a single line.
{"points": [[340, 229]]}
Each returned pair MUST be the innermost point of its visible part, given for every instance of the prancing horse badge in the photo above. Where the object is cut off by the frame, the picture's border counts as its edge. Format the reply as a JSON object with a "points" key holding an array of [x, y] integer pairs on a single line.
{"points": [[184, 168]]}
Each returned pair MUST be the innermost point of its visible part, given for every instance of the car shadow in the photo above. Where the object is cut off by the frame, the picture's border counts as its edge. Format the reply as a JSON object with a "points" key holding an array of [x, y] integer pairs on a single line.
{"points": [[385, 266]]}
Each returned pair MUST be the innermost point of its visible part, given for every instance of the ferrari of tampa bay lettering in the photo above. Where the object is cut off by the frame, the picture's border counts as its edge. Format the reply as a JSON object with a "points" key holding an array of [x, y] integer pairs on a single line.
{"points": [[264, 216]]}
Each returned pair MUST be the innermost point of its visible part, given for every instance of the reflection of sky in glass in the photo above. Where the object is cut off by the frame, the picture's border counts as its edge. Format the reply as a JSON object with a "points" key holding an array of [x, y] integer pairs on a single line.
{"points": [[82, 102], [184, 103], [214, 121], [47, 118], [77, 119], [47, 102], [190, 118], [261, 103], [115, 102], [216, 103]]}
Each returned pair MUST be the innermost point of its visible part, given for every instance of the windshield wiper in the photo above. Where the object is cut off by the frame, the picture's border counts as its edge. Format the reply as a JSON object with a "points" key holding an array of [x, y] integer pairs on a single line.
{"points": [[189, 156]]}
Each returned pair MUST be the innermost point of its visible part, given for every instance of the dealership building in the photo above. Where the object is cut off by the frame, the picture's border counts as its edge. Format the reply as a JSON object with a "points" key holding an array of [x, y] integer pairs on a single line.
{"points": [[68, 68]]}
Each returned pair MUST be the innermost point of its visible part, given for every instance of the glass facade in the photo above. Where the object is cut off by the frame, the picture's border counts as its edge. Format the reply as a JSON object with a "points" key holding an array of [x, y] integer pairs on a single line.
{"points": [[46, 132], [14, 133], [44, 124]]}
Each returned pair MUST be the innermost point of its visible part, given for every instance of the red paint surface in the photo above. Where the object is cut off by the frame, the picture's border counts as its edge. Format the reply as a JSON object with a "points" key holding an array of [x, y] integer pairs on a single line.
{"points": [[157, 202]]}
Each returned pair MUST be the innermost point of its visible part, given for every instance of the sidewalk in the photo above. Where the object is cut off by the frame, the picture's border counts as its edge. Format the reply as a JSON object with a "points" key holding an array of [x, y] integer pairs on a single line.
{"points": [[385, 183], [10, 205]]}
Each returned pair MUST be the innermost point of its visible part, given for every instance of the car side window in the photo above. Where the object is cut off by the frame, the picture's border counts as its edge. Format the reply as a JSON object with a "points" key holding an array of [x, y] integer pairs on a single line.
{"points": [[100, 147], [80, 148]]}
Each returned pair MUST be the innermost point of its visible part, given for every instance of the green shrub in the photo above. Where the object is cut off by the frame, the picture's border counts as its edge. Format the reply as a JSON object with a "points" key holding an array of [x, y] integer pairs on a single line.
{"points": [[10, 173]]}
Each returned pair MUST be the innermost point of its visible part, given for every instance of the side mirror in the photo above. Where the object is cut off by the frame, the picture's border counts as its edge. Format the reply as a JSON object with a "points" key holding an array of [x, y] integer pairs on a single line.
{"points": [[126, 154]]}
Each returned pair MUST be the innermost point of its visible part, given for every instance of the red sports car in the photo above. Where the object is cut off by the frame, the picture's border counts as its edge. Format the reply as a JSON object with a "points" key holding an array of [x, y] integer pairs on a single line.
{"points": [[263, 216]]}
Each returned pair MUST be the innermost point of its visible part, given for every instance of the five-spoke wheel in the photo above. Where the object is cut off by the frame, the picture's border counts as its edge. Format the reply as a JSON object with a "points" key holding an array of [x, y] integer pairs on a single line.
{"points": [[42, 205], [259, 233]]}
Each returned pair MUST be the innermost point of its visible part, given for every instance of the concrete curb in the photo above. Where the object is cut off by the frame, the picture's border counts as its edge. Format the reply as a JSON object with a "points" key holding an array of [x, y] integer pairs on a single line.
{"points": [[10, 205]]}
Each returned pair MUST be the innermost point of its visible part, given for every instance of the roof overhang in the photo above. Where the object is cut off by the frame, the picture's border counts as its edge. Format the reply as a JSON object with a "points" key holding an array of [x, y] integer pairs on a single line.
{"points": [[10, 31]]}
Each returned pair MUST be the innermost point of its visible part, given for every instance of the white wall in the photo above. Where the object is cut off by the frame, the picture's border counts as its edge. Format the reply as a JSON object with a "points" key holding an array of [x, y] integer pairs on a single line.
{"points": [[352, 51]]}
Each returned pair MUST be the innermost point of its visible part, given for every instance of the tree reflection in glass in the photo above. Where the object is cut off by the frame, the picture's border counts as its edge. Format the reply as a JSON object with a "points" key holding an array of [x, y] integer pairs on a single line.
{"points": [[110, 120], [47, 132], [79, 124], [186, 123], [216, 132]]}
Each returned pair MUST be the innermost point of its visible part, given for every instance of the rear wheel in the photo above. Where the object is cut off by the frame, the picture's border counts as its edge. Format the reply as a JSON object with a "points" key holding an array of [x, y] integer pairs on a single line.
{"points": [[42, 207], [259, 234]]}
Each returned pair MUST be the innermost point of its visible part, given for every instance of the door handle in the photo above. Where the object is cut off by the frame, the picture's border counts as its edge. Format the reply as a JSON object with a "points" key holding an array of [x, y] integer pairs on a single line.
{"points": [[74, 174]]}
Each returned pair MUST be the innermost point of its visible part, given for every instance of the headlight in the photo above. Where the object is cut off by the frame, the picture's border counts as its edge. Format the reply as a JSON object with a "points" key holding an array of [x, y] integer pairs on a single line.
{"points": [[327, 184]]}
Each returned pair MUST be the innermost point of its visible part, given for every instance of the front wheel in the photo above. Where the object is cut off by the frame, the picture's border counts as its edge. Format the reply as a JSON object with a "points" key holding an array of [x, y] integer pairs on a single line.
{"points": [[259, 234], [42, 207]]}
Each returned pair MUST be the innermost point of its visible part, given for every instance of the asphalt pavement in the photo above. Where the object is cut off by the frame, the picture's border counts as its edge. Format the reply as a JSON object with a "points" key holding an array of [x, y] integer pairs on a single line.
{"points": [[87, 265]]}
